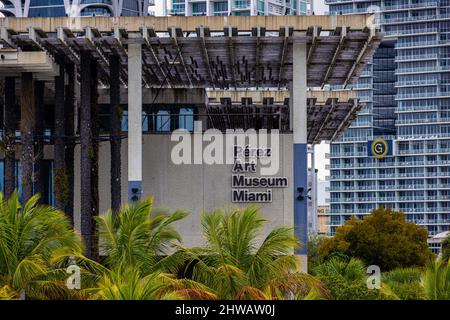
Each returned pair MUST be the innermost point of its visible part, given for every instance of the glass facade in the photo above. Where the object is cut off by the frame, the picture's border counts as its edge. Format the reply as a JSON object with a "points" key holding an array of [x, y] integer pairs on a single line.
{"points": [[406, 90], [240, 7], [47, 166], [46, 8], [56, 8]]}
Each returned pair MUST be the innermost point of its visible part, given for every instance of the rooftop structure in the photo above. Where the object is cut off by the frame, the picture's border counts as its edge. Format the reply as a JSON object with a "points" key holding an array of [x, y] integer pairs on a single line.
{"points": [[93, 61]]}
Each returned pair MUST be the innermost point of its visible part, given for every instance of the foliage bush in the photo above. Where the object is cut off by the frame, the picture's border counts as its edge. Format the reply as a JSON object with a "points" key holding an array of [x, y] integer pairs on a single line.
{"points": [[144, 258], [383, 238], [346, 280], [405, 283]]}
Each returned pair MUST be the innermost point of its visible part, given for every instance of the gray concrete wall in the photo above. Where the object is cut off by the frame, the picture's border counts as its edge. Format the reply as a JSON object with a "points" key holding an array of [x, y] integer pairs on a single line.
{"points": [[195, 188]]}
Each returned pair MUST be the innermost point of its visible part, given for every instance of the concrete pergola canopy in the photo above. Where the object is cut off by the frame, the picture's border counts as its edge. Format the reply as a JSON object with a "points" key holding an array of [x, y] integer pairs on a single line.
{"points": [[329, 113], [207, 52]]}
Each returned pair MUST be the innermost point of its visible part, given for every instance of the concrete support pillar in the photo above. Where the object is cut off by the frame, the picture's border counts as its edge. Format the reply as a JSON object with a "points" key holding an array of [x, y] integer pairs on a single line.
{"points": [[299, 122], [59, 164], [209, 8], [86, 203], [313, 216], [39, 171], [69, 112], [27, 123], [95, 127], [115, 130], [134, 121], [9, 125]]}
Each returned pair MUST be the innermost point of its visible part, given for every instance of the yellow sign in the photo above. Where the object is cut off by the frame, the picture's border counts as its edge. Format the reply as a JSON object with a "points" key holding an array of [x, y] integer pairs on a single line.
{"points": [[379, 148]]}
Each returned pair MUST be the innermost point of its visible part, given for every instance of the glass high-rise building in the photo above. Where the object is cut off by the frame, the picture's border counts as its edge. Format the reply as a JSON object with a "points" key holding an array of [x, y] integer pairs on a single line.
{"points": [[407, 93], [74, 8], [238, 7]]}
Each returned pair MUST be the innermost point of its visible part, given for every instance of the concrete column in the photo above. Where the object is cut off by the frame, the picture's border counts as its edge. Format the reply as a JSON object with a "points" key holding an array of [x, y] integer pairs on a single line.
{"points": [[253, 8], [39, 172], [27, 132], [299, 123], [209, 8], [69, 114], [313, 192], [115, 130], [9, 125], [134, 121], [59, 172], [165, 4], [86, 202], [94, 149]]}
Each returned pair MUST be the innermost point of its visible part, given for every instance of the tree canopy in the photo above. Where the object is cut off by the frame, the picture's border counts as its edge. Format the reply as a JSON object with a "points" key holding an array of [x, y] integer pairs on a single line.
{"points": [[383, 238]]}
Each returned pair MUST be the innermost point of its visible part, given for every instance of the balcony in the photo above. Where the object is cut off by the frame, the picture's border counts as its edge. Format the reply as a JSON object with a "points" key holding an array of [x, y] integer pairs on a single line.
{"points": [[417, 108], [420, 95], [421, 69], [405, 58], [422, 121], [348, 154], [416, 83], [408, 19], [396, 7]]}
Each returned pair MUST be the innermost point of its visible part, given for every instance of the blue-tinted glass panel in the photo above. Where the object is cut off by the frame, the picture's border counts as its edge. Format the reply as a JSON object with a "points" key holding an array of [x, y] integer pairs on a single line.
{"points": [[47, 12]]}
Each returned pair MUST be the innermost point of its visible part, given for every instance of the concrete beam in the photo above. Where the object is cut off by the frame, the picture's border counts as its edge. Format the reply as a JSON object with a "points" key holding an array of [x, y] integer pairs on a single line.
{"points": [[162, 24], [194, 96], [38, 62]]}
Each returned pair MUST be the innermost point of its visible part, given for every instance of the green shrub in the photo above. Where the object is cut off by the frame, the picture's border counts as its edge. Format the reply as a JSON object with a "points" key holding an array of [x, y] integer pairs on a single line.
{"points": [[405, 283]]}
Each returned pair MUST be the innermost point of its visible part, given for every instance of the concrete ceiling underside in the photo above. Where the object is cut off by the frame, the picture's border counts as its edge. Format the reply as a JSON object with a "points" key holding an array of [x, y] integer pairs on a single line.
{"points": [[328, 117]]}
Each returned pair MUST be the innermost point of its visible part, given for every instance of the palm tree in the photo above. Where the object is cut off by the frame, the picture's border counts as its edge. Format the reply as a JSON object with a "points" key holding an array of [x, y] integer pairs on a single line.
{"points": [[30, 237], [138, 236], [237, 263], [436, 281], [404, 283], [351, 270], [135, 242], [131, 284]]}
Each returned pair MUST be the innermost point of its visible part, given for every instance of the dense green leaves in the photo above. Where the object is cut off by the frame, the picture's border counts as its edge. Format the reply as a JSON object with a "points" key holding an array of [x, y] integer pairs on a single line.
{"points": [[346, 279], [137, 236], [383, 238], [436, 281], [405, 283], [237, 262], [30, 237], [240, 258]]}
